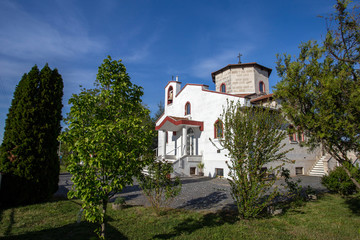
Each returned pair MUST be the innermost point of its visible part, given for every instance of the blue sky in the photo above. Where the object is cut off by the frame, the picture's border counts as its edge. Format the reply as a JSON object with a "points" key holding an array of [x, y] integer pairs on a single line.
{"points": [[156, 39]]}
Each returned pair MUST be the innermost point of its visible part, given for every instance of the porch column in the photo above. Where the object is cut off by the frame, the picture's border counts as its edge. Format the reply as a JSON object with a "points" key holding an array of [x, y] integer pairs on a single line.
{"points": [[163, 143], [183, 137]]}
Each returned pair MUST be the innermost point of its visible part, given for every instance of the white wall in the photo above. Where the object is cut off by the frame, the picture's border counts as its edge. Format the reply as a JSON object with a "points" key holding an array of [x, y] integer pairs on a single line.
{"points": [[206, 106]]}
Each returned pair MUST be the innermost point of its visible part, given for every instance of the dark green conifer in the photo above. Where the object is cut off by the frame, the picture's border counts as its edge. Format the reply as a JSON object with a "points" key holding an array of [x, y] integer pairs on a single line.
{"points": [[29, 162]]}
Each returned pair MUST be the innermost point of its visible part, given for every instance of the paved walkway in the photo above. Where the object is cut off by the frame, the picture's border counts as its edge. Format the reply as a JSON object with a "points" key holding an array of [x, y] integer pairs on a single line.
{"points": [[198, 193]]}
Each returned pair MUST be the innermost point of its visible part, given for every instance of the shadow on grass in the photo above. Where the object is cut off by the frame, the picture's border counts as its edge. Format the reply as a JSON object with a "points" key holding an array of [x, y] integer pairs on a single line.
{"points": [[189, 225], [83, 230], [11, 223], [353, 203]]}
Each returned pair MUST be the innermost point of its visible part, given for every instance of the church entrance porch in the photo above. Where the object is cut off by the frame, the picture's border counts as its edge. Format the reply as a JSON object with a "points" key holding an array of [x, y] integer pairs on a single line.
{"points": [[179, 143]]}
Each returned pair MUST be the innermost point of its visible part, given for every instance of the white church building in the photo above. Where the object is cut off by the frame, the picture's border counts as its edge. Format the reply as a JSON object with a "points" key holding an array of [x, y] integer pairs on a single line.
{"points": [[191, 118]]}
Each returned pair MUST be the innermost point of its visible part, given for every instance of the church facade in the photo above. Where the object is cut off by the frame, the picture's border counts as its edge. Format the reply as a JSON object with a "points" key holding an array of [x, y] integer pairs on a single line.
{"points": [[191, 115]]}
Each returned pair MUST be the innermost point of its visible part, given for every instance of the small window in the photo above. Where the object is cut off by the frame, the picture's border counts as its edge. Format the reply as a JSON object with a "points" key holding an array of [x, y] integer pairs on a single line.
{"points": [[167, 136], [223, 88], [301, 137], [292, 134], [170, 95], [192, 170], [292, 137], [219, 172], [299, 171], [187, 108], [218, 129], [261, 87]]}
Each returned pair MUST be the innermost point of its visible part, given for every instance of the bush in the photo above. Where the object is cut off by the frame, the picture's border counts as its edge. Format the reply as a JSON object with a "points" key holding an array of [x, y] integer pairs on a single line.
{"points": [[158, 187], [338, 181]]}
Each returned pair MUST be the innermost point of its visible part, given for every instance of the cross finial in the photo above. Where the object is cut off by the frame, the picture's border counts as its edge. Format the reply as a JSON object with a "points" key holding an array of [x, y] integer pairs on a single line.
{"points": [[239, 56]]}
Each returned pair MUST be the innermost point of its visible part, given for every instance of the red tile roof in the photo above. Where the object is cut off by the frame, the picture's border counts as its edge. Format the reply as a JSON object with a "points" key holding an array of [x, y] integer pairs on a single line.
{"points": [[176, 121], [268, 96]]}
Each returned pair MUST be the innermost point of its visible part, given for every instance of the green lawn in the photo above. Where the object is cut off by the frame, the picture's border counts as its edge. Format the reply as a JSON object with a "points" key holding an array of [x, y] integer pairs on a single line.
{"points": [[331, 217]]}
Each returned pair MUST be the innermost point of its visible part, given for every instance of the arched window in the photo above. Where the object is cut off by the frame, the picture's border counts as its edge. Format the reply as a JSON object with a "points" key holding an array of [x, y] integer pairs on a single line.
{"points": [[262, 87], [218, 129], [170, 95], [187, 108], [223, 88]]}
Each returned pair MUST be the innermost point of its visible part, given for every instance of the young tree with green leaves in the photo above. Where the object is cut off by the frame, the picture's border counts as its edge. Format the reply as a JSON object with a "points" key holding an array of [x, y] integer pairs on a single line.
{"points": [[320, 89], [253, 137], [108, 133], [157, 185], [29, 162]]}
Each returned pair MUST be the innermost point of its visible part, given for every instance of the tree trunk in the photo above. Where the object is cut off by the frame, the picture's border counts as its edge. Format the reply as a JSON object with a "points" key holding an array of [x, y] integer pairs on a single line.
{"points": [[102, 235]]}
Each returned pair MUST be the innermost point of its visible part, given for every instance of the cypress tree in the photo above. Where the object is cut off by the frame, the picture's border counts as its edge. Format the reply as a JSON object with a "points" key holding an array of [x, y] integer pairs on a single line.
{"points": [[28, 155]]}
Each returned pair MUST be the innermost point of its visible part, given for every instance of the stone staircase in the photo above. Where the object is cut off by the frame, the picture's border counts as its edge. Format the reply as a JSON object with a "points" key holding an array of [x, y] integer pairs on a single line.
{"points": [[318, 168]]}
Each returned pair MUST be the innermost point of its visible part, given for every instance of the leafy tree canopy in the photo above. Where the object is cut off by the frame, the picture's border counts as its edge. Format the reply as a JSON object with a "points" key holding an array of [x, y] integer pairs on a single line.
{"points": [[320, 88], [108, 132], [28, 158]]}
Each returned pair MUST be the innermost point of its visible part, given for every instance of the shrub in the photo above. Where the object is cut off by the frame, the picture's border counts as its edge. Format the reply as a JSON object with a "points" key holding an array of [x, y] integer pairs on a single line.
{"points": [[158, 187], [254, 138], [338, 181]]}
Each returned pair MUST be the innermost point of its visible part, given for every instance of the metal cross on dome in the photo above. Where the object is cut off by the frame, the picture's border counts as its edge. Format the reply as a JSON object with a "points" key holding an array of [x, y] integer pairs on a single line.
{"points": [[239, 56]]}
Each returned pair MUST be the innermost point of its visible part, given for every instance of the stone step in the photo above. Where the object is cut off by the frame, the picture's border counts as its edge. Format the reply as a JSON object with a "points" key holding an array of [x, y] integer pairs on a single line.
{"points": [[317, 174], [318, 169]]}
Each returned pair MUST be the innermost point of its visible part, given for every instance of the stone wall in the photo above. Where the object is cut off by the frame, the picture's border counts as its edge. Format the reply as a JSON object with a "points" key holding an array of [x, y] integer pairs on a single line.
{"points": [[242, 80], [261, 76]]}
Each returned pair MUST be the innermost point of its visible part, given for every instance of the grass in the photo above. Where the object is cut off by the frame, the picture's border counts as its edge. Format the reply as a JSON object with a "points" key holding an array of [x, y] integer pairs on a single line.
{"points": [[63, 168], [330, 217]]}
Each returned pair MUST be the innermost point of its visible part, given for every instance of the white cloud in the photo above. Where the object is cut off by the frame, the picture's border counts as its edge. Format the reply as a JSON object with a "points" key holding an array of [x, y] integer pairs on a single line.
{"points": [[26, 36]]}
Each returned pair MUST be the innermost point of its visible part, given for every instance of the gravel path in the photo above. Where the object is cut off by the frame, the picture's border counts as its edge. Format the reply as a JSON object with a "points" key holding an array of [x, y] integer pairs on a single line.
{"points": [[198, 193]]}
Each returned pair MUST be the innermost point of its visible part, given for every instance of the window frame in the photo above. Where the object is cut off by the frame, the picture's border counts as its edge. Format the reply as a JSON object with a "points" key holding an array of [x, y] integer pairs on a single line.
{"points": [[219, 170], [261, 83], [221, 86], [297, 172], [292, 136], [301, 137], [170, 101], [218, 123], [186, 110]]}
